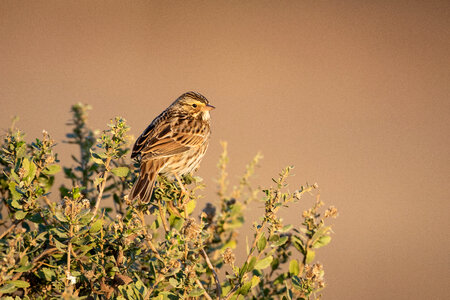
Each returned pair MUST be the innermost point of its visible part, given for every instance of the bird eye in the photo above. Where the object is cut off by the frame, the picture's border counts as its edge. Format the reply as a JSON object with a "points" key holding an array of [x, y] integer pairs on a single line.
{"points": [[194, 105]]}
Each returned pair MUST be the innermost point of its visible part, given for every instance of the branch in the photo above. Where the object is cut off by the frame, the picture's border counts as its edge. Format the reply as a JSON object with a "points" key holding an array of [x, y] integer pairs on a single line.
{"points": [[231, 293], [216, 278], [36, 260], [163, 217], [101, 188], [11, 228], [150, 290], [201, 285]]}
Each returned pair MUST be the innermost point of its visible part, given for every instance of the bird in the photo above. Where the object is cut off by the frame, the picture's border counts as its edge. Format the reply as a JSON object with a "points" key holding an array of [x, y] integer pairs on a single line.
{"points": [[173, 144]]}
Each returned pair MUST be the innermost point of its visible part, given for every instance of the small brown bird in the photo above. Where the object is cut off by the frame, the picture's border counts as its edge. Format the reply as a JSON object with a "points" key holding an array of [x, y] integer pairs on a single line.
{"points": [[173, 144]]}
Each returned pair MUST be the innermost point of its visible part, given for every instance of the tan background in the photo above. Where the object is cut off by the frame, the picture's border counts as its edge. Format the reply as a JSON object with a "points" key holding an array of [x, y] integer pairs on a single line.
{"points": [[354, 94]]}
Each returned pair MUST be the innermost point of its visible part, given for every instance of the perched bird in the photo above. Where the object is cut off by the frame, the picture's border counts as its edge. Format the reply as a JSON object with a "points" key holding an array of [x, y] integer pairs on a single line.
{"points": [[173, 144]]}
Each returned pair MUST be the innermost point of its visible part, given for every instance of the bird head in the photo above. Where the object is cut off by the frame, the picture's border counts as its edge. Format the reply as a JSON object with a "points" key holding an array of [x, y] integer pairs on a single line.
{"points": [[194, 104]]}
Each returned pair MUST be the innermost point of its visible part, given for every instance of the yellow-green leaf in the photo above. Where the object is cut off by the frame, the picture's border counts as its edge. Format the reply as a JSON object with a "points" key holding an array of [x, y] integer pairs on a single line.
{"points": [[264, 263], [262, 242], [7, 288], [20, 214], [120, 171], [190, 206], [31, 172], [19, 283], [281, 241], [196, 292], [96, 226], [310, 254], [255, 281], [51, 170], [322, 241], [294, 269], [96, 158], [15, 195], [245, 288]]}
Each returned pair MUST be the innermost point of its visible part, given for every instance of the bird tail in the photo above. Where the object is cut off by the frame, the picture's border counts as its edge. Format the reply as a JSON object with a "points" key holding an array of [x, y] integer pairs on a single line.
{"points": [[143, 187]]}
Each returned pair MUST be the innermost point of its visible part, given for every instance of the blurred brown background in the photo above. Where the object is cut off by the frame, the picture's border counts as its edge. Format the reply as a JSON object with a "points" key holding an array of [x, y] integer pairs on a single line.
{"points": [[354, 94]]}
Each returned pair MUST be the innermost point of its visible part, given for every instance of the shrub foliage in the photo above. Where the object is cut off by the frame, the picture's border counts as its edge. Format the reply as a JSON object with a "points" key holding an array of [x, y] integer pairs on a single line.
{"points": [[70, 247]]}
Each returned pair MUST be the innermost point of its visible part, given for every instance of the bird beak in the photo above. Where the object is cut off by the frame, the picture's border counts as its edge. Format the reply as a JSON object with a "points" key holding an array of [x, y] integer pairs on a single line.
{"points": [[208, 107]]}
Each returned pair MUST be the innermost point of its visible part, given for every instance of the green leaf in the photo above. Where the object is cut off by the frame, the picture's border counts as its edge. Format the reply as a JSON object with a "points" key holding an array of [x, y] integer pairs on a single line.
{"points": [[52, 169], [24, 268], [298, 244], [61, 217], [26, 167], [231, 244], [98, 180], [190, 206], [243, 270], [264, 263], [96, 226], [196, 292], [294, 268], [255, 280], [174, 222], [173, 282], [19, 283], [297, 283], [48, 273], [32, 172], [322, 241], [286, 228], [60, 245], [96, 158], [320, 232], [120, 171], [20, 214], [274, 238], [251, 264], [8, 288], [262, 242], [15, 194], [310, 256], [245, 288], [280, 242]]}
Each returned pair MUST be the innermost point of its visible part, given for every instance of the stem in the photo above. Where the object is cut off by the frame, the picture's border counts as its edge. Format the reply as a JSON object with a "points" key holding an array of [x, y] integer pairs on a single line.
{"points": [[216, 278], [201, 285], [231, 293], [163, 217], [35, 263], [11, 228], [149, 242], [69, 252], [49, 203], [150, 290], [102, 188]]}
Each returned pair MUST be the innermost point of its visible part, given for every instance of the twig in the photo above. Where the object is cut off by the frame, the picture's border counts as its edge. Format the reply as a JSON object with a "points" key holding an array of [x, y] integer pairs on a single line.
{"points": [[36, 260], [69, 253], [216, 278], [150, 290], [231, 293], [149, 242], [49, 203], [101, 188], [206, 293], [11, 228], [163, 217]]}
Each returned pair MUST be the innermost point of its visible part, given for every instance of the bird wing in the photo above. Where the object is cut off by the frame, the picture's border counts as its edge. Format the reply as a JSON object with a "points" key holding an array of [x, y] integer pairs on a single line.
{"points": [[165, 139]]}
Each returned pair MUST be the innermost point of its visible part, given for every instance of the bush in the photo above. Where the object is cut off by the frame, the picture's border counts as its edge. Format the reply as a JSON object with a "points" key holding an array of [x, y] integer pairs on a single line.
{"points": [[68, 247]]}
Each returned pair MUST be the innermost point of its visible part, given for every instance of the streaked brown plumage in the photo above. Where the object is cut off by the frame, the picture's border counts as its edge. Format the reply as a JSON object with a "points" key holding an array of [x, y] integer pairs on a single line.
{"points": [[173, 144]]}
